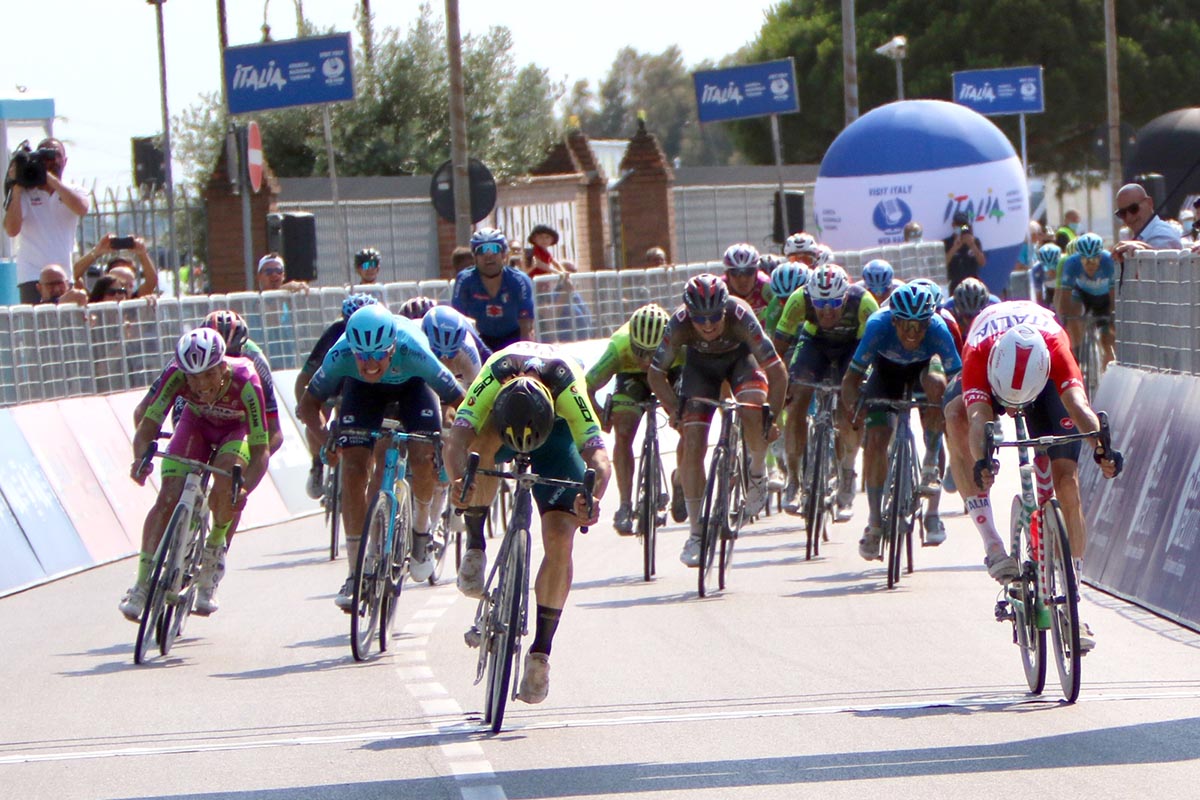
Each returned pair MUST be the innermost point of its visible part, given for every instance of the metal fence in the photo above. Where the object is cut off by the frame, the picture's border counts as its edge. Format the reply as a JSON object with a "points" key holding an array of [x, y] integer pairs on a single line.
{"points": [[48, 352], [144, 213], [1158, 312]]}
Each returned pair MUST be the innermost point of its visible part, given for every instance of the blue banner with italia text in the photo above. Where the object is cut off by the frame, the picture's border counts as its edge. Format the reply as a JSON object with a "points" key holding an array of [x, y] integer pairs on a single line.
{"points": [[298, 72], [992, 92], [752, 90]]}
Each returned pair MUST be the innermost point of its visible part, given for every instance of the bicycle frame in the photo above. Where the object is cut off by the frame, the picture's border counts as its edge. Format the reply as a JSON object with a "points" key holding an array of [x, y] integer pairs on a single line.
{"points": [[820, 464], [723, 511], [902, 511]]}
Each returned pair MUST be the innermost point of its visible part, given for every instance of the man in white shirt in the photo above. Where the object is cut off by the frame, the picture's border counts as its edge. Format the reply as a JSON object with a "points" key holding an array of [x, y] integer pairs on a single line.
{"points": [[1136, 210], [43, 220]]}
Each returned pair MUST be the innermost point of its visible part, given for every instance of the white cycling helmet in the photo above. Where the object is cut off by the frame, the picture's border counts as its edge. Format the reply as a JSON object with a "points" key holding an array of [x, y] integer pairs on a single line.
{"points": [[824, 255], [827, 283], [741, 257], [200, 350], [799, 244], [1018, 366]]}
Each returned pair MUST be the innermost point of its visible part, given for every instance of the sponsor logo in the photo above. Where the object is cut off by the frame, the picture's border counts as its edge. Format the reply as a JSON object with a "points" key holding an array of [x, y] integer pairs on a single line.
{"points": [[583, 408], [426, 412], [980, 93], [333, 68], [891, 215], [245, 76], [978, 209], [1067, 423], [716, 95], [494, 311]]}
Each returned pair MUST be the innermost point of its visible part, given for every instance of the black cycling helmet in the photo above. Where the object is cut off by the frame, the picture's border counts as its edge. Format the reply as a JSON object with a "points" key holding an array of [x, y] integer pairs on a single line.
{"points": [[523, 413], [367, 258], [232, 328]]}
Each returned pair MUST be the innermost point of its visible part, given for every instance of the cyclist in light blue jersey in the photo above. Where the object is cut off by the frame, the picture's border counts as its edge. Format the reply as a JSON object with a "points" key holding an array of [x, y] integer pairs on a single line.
{"points": [[1088, 285]]}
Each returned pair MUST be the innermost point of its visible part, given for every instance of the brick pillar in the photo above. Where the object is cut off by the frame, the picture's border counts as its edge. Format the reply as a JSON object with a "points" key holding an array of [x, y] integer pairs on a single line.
{"points": [[647, 205], [447, 241], [224, 212], [596, 222]]}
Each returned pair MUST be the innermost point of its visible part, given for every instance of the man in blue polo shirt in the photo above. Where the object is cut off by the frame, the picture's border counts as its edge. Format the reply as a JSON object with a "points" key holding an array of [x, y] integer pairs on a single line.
{"points": [[499, 298]]}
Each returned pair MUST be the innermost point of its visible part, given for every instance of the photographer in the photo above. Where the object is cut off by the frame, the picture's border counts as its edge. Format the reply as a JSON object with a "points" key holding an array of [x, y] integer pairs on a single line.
{"points": [[119, 266], [40, 212], [964, 252]]}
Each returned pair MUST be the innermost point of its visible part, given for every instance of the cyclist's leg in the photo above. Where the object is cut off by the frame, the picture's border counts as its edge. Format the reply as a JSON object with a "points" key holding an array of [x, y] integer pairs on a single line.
{"points": [[1101, 306], [631, 389], [1075, 320], [933, 384], [231, 451], [1045, 417], [472, 572], [749, 385], [886, 382], [849, 440], [700, 379], [978, 502], [361, 413]]}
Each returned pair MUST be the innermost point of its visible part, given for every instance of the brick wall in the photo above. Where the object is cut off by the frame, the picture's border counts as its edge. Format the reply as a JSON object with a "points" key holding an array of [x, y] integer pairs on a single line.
{"points": [[225, 259], [647, 208]]}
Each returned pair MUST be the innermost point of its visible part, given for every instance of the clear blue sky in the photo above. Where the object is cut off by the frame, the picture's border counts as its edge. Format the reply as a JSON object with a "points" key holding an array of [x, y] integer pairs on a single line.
{"points": [[99, 58]]}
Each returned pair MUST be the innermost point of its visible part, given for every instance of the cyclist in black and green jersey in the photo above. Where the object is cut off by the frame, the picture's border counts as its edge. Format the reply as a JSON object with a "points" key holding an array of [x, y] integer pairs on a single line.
{"points": [[628, 357]]}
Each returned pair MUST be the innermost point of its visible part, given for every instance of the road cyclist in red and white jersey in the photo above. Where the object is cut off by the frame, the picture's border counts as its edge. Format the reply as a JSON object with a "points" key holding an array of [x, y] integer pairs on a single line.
{"points": [[224, 422], [746, 279], [1018, 356]]}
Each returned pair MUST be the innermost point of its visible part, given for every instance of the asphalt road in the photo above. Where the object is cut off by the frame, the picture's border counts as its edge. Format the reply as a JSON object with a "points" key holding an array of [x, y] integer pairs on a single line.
{"points": [[802, 679]]}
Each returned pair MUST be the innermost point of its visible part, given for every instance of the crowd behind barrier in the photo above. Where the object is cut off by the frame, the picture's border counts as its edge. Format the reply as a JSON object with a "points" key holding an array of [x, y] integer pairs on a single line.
{"points": [[1158, 312]]}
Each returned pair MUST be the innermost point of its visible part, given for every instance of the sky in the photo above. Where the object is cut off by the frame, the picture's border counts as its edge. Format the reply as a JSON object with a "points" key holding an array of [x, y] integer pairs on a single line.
{"points": [[99, 60]]}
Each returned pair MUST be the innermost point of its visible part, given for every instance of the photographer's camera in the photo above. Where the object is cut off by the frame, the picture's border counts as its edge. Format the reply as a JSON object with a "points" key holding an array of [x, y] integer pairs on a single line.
{"points": [[30, 166]]}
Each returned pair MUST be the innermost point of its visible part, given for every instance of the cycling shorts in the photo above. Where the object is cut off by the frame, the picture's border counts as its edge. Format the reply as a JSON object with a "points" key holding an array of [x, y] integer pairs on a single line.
{"points": [[556, 458], [888, 381], [1045, 416], [1098, 305], [702, 378], [363, 405], [633, 388], [198, 439], [813, 359]]}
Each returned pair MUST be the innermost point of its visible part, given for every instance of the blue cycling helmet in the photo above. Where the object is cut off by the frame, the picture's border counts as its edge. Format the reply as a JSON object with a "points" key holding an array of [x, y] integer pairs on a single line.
{"points": [[446, 330], [912, 301], [489, 236], [1089, 245], [1049, 254], [787, 278], [371, 329], [356, 301], [935, 291], [878, 276]]}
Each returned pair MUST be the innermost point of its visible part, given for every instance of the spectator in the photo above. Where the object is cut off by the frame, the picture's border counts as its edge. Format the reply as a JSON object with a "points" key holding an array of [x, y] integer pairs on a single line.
{"points": [[964, 252], [108, 289], [121, 266], [656, 257], [1147, 231], [53, 287], [42, 219], [272, 275], [538, 260], [913, 232], [1070, 228], [366, 262], [461, 259], [1187, 218]]}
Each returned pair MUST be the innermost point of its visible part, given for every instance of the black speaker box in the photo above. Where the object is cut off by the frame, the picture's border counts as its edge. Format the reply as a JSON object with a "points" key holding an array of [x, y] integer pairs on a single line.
{"points": [[293, 235], [795, 215]]}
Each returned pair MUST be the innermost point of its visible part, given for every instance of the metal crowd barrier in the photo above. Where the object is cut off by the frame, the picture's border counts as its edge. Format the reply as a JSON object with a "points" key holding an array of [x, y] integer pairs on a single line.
{"points": [[1158, 312], [49, 352]]}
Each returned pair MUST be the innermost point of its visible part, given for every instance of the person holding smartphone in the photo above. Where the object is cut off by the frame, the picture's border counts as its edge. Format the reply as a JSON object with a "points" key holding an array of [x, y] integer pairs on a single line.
{"points": [[120, 266], [964, 252]]}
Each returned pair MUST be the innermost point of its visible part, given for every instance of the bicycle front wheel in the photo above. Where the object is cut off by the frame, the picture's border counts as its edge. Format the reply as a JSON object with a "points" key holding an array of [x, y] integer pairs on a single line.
{"points": [[715, 516], [402, 536], [370, 578], [511, 591], [1021, 594], [156, 592], [894, 546], [1063, 592], [814, 503], [182, 590], [333, 510], [647, 504]]}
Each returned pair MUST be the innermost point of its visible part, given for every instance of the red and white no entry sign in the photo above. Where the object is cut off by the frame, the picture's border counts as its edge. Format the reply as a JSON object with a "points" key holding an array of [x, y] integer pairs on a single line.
{"points": [[254, 155]]}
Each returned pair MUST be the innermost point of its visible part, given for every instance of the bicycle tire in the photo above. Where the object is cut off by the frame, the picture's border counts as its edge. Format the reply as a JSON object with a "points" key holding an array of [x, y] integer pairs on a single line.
{"points": [[512, 588], [647, 504], [1063, 592], [369, 578], [183, 582], [815, 501], [895, 514], [712, 515], [333, 510], [908, 492], [440, 543], [148, 624], [402, 539], [1022, 599]]}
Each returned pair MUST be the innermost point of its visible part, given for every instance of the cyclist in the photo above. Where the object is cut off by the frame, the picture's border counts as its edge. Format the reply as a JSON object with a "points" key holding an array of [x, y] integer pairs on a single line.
{"points": [[880, 279], [786, 278], [801, 247], [1018, 356], [744, 278], [1049, 257], [530, 398], [384, 359], [328, 338], [416, 308], [899, 345], [1088, 285], [224, 422], [970, 297], [824, 323], [366, 263], [627, 357], [499, 298], [455, 342], [724, 342]]}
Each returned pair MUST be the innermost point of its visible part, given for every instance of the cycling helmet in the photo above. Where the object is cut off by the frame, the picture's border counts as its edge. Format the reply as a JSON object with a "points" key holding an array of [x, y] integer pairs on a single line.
{"points": [[647, 326], [912, 301], [741, 256], [367, 258], [199, 350], [232, 328], [1049, 254], [1089, 245], [371, 329], [1018, 366], [356, 301], [787, 278], [935, 291], [417, 307], [489, 236], [878, 276], [446, 330], [799, 244], [705, 295], [523, 413], [768, 262], [823, 255], [970, 297], [828, 283]]}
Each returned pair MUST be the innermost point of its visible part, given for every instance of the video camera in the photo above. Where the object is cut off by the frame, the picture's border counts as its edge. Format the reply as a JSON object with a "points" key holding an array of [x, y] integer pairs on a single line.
{"points": [[30, 171]]}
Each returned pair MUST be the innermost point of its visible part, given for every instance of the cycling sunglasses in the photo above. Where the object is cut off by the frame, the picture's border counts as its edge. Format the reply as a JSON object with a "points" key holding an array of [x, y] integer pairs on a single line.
{"points": [[489, 249], [375, 355], [366, 265], [707, 319], [833, 302], [743, 272]]}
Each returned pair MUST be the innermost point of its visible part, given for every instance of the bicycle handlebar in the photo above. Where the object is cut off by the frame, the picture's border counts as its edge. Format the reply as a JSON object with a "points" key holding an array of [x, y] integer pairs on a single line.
{"points": [[235, 474], [993, 438], [821, 386], [898, 405], [587, 485]]}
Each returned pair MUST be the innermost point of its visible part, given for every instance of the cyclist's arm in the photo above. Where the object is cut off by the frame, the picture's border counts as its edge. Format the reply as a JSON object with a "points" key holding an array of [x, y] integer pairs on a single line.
{"points": [[258, 438], [1074, 399], [147, 432], [301, 386], [790, 320], [867, 306], [603, 370], [979, 414], [596, 459], [777, 385]]}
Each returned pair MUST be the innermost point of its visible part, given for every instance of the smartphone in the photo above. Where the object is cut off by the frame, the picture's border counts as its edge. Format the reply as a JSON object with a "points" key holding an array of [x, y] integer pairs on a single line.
{"points": [[122, 243]]}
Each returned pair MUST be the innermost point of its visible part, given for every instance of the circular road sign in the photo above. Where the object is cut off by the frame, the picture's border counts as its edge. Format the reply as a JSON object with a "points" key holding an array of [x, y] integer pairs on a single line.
{"points": [[254, 155], [482, 187]]}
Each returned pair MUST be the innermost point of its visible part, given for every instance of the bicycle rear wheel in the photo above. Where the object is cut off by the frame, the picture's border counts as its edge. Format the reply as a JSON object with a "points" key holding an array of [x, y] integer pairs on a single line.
{"points": [[647, 505], [370, 578], [1062, 590], [333, 510], [1022, 599], [156, 593], [402, 538], [714, 516], [814, 503], [511, 590]]}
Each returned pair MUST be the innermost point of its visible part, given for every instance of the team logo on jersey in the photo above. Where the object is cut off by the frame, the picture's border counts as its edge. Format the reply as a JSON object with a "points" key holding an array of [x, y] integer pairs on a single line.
{"points": [[495, 311]]}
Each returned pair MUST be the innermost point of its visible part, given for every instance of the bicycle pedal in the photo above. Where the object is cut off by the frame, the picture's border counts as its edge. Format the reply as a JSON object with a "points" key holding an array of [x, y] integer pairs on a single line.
{"points": [[1004, 612], [661, 519], [473, 637]]}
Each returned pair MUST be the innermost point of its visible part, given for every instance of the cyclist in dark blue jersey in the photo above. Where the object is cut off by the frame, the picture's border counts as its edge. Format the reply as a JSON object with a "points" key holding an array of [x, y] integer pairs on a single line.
{"points": [[497, 297]]}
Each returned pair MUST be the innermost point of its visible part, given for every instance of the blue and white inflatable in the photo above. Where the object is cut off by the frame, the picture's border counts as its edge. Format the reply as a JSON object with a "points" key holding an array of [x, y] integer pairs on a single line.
{"points": [[924, 160]]}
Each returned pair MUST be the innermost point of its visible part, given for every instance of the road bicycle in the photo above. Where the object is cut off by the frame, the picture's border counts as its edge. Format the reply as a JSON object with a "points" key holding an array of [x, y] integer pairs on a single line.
{"points": [[1045, 594], [650, 491], [331, 500], [820, 467], [172, 588], [502, 616], [386, 542], [1090, 352]]}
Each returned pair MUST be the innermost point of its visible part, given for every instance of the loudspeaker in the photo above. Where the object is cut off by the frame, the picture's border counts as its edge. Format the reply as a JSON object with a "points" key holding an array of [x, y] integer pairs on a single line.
{"points": [[795, 214], [149, 162], [293, 235], [1155, 186]]}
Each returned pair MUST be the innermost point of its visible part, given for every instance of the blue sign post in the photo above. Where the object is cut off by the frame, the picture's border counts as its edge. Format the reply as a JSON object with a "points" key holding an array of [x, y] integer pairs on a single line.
{"points": [[751, 90], [298, 72], [992, 92]]}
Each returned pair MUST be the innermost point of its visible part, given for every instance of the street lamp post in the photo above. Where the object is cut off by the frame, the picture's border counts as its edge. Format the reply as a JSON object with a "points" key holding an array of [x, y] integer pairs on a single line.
{"points": [[896, 49]]}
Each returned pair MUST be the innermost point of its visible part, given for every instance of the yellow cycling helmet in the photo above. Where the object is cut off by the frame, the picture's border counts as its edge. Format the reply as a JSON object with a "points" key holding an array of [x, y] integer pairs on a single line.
{"points": [[647, 326]]}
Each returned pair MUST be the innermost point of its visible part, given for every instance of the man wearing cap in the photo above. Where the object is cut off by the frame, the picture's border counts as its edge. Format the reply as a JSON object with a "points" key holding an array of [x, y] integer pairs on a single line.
{"points": [[964, 252], [272, 275]]}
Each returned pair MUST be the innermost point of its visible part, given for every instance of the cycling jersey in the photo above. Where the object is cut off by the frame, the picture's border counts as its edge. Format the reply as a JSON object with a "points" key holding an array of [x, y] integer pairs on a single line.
{"points": [[496, 316], [955, 329], [561, 374], [772, 314], [896, 284], [328, 339], [880, 341], [742, 330], [1073, 276], [466, 363], [857, 308], [618, 359], [251, 351], [758, 297], [412, 358], [240, 404], [991, 324]]}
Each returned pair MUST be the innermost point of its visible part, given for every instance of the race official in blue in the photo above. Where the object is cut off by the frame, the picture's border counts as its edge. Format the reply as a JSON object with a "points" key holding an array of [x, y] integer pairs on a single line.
{"points": [[499, 298]]}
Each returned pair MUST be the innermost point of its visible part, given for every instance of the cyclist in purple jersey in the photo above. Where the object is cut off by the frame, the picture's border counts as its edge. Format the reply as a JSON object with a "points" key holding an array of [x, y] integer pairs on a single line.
{"points": [[497, 297]]}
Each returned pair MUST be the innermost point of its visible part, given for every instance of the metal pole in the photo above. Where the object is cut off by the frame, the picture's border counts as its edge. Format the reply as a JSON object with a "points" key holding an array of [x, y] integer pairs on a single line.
{"points": [[243, 182], [458, 129], [166, 123], [849, 61], [339, 217], [899, 79], [1114, 105], [783, 209]]}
